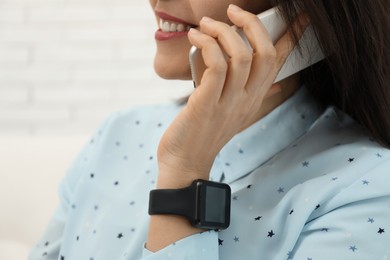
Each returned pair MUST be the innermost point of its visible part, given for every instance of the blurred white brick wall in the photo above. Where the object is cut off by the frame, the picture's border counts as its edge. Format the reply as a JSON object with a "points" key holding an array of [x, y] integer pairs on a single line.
{"points": [[66, 64]]}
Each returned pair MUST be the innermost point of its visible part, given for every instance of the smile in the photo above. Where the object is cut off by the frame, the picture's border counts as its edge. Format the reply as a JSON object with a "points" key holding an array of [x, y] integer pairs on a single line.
{"points": [[168, 26], [171, 27]]}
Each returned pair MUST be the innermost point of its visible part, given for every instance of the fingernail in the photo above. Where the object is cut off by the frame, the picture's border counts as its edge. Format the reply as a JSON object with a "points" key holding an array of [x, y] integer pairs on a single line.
{"points": [[234, 8], [207, 19], [194, 31]]}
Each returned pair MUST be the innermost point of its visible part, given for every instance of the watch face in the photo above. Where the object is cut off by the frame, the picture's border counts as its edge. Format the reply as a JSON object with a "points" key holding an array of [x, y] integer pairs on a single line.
{"points": [[214, 205]]}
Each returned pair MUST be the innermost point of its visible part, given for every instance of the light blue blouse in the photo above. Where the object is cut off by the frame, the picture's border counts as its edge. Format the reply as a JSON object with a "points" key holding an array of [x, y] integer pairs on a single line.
{"points": [[306, 184]]}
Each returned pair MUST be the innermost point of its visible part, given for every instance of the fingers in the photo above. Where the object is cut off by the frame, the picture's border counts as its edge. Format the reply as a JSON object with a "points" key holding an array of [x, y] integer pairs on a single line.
{"points": [[211, 85], [239, 57], [242, 72], [264, 52], [268, 58]]}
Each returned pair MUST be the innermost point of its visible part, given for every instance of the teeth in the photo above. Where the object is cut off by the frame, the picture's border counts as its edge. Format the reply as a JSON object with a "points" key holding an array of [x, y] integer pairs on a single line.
{"points": [[166, 26], [180, 28], [172, 28]]}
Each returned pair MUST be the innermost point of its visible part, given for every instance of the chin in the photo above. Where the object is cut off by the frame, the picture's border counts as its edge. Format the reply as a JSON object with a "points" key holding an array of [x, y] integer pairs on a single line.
{"points": [[171, 60], [172, 69]]}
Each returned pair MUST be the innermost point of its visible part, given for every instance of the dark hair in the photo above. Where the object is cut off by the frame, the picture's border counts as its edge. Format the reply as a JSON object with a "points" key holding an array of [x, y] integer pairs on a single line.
{"points": [[355, 77]]}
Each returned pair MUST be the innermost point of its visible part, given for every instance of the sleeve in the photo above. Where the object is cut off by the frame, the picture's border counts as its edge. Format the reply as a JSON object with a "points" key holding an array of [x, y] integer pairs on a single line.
{"points": [[356, 224], [198, 246], [48, 246]]}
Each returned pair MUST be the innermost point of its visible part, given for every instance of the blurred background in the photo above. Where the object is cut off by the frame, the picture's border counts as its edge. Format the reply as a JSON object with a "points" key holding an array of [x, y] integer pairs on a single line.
{"points": [[64, 66]]}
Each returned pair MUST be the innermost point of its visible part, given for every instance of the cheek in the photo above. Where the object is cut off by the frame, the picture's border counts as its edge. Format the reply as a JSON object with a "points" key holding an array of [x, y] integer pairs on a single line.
{"points": [[215, 9]]}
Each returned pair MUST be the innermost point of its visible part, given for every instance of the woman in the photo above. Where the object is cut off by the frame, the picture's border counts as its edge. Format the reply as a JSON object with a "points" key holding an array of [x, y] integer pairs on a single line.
{"points": [[306, 159]]}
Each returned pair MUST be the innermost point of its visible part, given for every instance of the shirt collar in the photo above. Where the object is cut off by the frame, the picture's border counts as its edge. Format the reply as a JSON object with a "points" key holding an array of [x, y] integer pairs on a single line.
{"points": [[259, 142]]}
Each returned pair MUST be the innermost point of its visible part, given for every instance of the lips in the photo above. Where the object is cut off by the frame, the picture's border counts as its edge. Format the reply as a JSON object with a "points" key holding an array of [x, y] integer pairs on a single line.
{"points": [[171, 27], [167, 17]]}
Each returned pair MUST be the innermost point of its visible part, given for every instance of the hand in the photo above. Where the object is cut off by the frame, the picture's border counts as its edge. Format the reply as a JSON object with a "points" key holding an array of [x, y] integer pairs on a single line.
{"points": [[230, 95]]}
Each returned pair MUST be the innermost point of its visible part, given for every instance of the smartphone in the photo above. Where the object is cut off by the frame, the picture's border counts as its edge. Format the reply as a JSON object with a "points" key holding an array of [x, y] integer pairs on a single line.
{"points": [[310, 53]]}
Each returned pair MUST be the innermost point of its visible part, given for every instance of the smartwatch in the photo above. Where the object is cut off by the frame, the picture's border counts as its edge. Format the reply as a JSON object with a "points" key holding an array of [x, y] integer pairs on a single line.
{"points": [[206, 204]]}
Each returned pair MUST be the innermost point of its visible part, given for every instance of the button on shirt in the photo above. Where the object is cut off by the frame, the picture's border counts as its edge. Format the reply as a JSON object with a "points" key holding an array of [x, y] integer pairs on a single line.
{"points": [[306, 183]]}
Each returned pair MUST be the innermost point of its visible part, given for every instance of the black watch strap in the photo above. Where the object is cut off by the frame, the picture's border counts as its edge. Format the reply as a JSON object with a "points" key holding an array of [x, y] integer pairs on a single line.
{"points": [[206, 204], [173, 201]]}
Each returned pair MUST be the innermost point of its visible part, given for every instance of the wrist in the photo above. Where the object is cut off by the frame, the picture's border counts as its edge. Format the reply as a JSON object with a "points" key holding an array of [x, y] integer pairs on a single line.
{"points": [[176, 180], [169, 177]]}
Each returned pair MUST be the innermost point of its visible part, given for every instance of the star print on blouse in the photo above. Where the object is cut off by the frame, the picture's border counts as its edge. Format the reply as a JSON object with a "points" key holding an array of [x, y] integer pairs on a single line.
{"points": [[305, 164], [236, 239], [371, 220], [365, 182], [258, 218], [381, 230], [353, 248], [280, 190], [351, 159], [220, 242], [318, 206], [120, 235], [291, 212], [270, 233]]}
